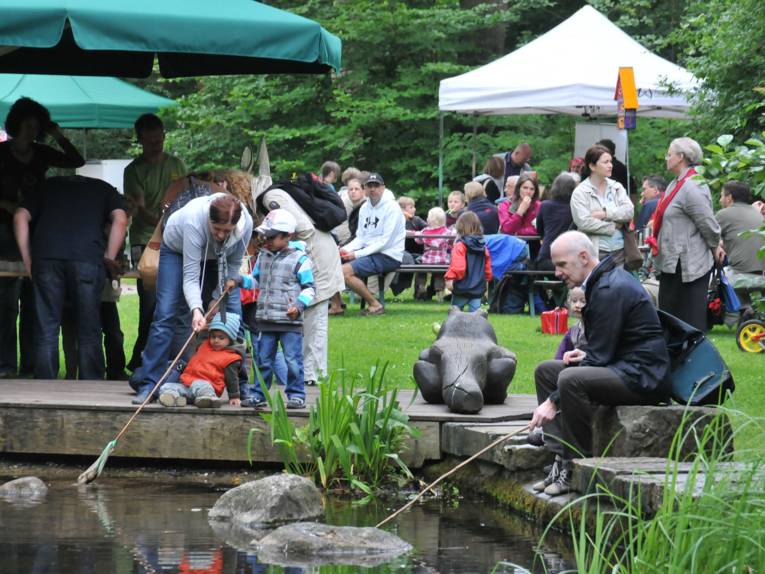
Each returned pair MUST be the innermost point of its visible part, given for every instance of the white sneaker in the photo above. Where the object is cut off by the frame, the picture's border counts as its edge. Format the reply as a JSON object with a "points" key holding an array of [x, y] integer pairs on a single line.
{"points": [[208, 402], [551, 477], [562, 484]]}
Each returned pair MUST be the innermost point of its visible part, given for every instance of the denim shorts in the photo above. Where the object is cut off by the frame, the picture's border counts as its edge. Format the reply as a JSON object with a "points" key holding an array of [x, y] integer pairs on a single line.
{"points": [[374, 265]]}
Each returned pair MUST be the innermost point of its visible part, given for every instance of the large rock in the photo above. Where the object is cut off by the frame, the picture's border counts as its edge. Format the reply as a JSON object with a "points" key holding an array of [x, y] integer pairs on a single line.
{"points": [[269, 502], [648, 431], [310, 543], [25, 488]]}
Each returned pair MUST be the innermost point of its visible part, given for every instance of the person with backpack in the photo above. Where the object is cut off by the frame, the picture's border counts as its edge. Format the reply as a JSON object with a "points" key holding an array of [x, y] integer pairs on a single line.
{"points": [[212, 228]]}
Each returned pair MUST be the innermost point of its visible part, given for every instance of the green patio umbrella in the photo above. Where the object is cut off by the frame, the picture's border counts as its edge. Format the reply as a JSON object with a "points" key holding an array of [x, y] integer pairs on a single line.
{"points": [[188, 37], [81, 101]]}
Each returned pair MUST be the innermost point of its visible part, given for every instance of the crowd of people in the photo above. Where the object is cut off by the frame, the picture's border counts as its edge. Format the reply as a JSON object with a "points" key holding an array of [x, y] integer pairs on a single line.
{"points": [[275, 273]]}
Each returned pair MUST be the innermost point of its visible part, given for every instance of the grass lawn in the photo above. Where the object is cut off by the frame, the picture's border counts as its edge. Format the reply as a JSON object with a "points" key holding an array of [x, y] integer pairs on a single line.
{"points": [[406, 328]]}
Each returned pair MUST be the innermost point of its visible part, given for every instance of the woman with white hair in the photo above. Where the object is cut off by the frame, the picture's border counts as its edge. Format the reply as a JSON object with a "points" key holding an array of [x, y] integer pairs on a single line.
{"points": [[684, 234]]}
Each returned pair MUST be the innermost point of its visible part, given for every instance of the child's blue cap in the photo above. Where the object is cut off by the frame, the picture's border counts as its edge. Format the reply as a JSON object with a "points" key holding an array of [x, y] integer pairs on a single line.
{"points": [[230, 327]]}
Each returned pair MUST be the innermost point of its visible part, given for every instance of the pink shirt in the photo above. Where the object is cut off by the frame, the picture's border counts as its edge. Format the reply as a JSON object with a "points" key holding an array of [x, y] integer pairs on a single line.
{"points": [[514, 224], [436, 249]]}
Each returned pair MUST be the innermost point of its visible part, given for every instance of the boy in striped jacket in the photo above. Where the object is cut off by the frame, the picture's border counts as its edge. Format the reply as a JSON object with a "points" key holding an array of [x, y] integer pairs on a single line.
{"points": [[283, 274]]}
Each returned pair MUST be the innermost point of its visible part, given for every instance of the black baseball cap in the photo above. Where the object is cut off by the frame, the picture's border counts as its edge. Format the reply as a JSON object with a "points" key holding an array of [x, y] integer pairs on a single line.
{"points": [[374, 177]]}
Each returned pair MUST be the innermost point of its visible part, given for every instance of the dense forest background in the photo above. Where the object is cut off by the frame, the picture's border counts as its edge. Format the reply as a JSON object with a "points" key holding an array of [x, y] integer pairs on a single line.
{"points": [[381, 111]]}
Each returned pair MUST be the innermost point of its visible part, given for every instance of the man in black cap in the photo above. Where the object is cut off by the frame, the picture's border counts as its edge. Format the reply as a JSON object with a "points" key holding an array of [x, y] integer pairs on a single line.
{"points": [[379, 243]]}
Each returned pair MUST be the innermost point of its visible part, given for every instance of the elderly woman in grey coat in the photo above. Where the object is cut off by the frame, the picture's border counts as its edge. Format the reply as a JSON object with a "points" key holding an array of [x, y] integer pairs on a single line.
{"points": [[684, 235]]}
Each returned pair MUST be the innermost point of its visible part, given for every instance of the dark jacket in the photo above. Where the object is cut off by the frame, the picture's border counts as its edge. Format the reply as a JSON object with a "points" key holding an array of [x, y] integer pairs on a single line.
{"points": [[470, 267], [487, 213], [646, 212], [554, 217], [623, 330]]}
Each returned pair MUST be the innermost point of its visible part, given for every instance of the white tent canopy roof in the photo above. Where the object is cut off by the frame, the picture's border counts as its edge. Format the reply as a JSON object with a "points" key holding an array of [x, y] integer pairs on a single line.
{"points": [[572, 69]]}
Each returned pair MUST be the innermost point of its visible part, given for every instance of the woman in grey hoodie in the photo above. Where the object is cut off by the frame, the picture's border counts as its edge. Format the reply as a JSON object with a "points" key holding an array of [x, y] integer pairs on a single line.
{"points": [[215, 228]]}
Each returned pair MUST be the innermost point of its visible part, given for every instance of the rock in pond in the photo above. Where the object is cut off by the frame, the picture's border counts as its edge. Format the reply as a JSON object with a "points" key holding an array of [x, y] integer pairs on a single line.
{"points": [[311, 543], [25, 488], [267, 503]]}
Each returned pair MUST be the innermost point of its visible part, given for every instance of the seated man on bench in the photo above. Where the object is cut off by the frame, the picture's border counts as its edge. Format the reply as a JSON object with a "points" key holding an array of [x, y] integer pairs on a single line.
{"points": [[624, 361], [379, 243]]}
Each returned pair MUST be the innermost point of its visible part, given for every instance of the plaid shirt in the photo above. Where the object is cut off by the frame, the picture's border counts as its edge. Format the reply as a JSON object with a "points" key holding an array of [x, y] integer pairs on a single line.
{"points": [[437, 249]]}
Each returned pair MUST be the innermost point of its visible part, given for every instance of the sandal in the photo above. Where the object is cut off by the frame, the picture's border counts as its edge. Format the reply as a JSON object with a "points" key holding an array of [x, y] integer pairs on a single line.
{"points": [[368, 313], [340, 312]]}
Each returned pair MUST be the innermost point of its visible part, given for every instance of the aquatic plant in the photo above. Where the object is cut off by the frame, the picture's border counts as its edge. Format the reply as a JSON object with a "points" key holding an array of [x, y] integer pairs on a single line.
{"points": [[354, 436], [711, 517]]}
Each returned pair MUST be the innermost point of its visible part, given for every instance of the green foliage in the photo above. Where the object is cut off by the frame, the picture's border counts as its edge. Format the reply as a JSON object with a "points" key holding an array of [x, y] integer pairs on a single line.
{"points": [[711, 519], [353, 437], [744, 162], [721, 46]]}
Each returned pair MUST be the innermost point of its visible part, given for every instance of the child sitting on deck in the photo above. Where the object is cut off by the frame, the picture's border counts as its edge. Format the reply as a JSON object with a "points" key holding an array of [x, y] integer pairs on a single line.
{"points": [[214, 367]]}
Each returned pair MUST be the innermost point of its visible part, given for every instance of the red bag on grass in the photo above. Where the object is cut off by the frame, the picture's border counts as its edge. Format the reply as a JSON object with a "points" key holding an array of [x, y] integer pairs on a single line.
{"points": [[555, 322]]}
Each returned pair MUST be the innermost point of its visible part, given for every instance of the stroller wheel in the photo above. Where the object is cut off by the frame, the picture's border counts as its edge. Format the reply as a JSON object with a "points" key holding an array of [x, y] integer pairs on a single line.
{"points": [[750, 336]]}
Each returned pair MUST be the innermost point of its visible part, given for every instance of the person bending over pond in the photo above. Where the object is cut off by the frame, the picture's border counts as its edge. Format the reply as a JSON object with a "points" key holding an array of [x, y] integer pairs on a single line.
{"points": [[215, 227]]}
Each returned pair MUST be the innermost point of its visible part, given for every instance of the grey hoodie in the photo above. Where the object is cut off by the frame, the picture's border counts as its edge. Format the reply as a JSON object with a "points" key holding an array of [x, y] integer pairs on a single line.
{"points": [[188, 233]]}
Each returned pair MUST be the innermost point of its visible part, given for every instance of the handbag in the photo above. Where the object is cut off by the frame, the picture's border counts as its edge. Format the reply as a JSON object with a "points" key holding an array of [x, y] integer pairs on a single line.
{"points": [[149, 262], [633, 259], [698, 372], [721, 298], [555, 322]]}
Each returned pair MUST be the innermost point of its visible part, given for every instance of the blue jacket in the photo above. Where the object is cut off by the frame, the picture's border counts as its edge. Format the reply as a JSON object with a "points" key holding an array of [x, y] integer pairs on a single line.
{"points": [[473, 284]]}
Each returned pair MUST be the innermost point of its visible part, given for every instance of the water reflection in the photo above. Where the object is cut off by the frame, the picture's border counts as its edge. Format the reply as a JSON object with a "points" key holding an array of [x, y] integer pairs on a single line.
{"points": [[143, 527]]}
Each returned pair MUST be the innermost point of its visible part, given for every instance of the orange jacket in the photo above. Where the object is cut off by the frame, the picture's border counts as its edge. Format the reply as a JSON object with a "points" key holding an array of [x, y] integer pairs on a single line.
{"points": [[209, 365]]}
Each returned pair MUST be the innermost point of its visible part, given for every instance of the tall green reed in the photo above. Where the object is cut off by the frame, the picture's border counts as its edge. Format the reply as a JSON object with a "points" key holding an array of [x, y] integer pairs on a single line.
{"points": [[354, 436], [711, 517]]}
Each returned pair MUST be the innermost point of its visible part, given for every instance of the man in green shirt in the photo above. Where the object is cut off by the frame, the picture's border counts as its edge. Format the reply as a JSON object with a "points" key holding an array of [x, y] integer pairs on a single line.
{"points": [[145, 180], [746, 271]]}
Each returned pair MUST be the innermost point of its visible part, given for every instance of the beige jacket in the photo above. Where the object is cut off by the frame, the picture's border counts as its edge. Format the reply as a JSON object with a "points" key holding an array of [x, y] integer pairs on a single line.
{"points": [[320, 246], [689, 231], [585, 200]]}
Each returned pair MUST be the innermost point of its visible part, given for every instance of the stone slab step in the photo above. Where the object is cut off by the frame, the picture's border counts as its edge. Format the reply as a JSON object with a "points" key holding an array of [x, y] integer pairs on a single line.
{"points": [[516, 454], [644, 480]]}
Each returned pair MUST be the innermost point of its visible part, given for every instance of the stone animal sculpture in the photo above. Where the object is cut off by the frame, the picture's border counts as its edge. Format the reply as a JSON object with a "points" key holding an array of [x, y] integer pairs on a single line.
{"points": [[465, 367]]}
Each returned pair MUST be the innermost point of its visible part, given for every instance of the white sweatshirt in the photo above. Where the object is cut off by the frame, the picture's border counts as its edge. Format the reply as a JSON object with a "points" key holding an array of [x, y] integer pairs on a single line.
{"points": [[381, 229]]}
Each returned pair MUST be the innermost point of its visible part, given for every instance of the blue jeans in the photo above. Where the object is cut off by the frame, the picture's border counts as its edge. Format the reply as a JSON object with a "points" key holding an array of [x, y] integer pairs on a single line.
{"points": [[171, 325], [292, 345], [82, 282], [473, 304]]}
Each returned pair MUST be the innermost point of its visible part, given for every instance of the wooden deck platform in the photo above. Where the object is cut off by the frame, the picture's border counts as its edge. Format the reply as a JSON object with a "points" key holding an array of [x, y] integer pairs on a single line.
{"points": [[80, 417]]}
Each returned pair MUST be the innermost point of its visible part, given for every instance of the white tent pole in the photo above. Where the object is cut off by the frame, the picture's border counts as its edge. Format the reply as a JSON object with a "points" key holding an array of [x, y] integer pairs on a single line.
{"points": [[475, 129], [441, 159]]}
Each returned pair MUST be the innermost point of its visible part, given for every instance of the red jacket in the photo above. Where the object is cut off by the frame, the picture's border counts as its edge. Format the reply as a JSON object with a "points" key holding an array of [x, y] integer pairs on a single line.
{"points": [[458, 264], [209, 365]]}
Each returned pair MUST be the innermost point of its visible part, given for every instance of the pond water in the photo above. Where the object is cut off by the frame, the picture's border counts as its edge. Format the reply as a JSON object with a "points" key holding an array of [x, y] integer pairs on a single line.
{"points": [[139, 526]]}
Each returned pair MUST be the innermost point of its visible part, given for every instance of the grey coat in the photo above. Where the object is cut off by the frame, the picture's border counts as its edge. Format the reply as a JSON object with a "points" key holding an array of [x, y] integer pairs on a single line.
{"points": [[689, 231]]}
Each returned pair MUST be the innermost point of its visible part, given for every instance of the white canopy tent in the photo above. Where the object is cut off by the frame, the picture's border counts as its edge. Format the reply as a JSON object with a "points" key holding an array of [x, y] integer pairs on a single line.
{"points": [[571, 69]]}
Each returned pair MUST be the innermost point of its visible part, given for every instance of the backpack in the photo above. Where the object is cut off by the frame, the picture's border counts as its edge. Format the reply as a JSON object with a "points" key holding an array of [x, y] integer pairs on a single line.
{"points": [[194, 189], [320, 203]]}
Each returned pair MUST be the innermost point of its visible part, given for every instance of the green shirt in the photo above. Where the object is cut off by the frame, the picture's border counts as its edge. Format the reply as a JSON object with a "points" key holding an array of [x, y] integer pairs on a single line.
{"points": [[151, 181]]}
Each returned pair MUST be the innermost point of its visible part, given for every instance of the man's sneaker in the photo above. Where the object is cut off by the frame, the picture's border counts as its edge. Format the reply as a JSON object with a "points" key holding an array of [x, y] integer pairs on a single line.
{"points": [[562, 484], [295, 403], [172, 400], [552, 476], [310, 383], [208, 402]]}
